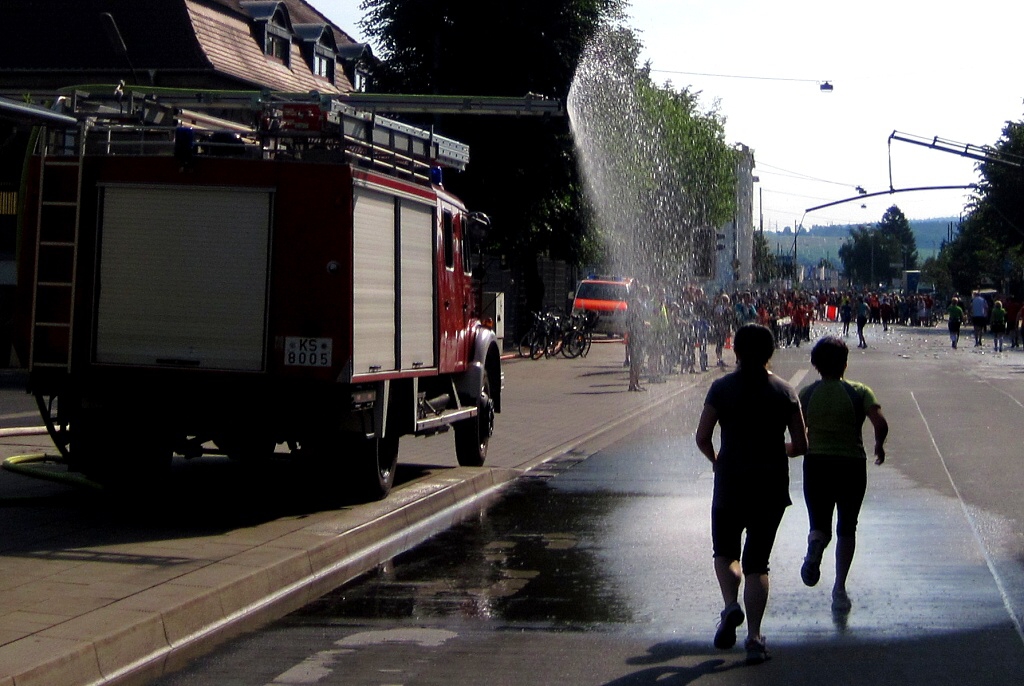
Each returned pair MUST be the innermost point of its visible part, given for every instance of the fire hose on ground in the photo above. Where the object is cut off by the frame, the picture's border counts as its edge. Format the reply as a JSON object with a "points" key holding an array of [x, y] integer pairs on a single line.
{"points": [[39, 465]]}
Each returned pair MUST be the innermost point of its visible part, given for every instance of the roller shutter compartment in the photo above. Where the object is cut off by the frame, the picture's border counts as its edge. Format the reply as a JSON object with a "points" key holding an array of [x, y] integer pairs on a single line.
{"points": [[183, 277]]}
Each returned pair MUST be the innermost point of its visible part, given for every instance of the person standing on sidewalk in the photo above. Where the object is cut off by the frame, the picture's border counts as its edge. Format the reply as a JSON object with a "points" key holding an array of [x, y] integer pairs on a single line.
{"points": [[1013, 327], [845, 315], [638, 325], [754, 408], [979, 317], [721, 326], [835, 467], [863, 310], [954, 317], [998, 326]]}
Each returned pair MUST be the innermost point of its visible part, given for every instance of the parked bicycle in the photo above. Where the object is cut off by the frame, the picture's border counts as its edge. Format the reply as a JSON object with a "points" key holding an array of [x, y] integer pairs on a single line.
{"points": [[578, 335], [532, 340], [544, 337]]}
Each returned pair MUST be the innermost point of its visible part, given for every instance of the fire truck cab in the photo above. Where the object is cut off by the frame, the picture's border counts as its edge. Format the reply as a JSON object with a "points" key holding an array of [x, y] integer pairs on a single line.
{"points": [[296, 282]]}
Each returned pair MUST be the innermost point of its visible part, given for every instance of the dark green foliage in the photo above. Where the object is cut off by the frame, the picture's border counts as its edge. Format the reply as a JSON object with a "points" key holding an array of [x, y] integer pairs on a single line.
{"points": [[998, 205], [766, 267], [879, 254], [989, 247]]}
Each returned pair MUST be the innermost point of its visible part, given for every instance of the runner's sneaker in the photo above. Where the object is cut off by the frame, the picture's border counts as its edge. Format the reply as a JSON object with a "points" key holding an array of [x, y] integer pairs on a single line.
{"points": [[841, 602], [732, 617], [757, 651], [810, 572]]}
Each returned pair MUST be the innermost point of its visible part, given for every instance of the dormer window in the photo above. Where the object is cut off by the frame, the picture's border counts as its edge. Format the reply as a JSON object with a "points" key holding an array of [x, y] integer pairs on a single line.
{"points": [[278, 43], [360, 81], [323, 66], [272, 28], [357, 60], [319, 49]]}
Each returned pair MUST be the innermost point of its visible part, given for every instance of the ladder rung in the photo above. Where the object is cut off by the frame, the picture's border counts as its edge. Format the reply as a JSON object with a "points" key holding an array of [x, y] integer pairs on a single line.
{"points": [[57, 244], [50, 364], [69, 162], [55, 325], [59, 203], [57, 284]]}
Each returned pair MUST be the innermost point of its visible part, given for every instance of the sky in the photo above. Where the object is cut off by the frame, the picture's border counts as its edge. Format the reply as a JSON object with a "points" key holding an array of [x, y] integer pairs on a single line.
{"points": [[951, 70]]}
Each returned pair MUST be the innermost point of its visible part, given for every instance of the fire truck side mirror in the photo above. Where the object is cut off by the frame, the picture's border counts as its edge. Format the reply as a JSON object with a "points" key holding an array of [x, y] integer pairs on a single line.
{"points": [[479, 223]]}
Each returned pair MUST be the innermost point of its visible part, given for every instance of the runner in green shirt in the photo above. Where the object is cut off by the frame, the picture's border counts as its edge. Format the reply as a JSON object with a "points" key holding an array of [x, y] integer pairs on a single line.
{"points": [[835, 466]]}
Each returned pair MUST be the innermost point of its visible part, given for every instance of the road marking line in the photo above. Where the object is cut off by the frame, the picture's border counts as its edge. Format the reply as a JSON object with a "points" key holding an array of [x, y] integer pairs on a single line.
{"points": [[798, 377], [1006, 393], [970, 522]]}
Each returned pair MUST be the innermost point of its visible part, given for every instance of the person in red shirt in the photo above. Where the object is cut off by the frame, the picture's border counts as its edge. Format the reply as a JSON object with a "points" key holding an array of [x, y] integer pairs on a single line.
{"points": [[801, 322], [875, 308]]}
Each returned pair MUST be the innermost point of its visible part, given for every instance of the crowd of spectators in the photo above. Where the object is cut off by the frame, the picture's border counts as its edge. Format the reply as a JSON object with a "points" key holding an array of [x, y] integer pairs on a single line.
{"points": [[675, 331]]}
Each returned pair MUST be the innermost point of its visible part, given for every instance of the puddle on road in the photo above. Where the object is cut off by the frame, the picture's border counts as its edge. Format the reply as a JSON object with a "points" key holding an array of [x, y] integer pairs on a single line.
{"points": [[529, 558]]}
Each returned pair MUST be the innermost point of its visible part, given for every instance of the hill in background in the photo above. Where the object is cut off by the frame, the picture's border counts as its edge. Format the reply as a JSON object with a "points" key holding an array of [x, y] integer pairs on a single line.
{"points": [[820, 242]]}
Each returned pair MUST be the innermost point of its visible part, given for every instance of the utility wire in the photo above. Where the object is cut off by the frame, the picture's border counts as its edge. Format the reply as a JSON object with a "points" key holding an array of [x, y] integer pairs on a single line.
{"points": [[735, 76], [761, 165]]}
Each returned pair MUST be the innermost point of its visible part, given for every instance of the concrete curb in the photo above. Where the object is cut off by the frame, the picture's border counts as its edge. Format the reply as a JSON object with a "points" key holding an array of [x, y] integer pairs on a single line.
{"points": [[137, 639]]}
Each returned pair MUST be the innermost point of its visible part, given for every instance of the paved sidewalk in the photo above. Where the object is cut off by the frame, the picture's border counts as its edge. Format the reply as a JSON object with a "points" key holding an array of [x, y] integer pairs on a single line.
{"points": [[99, 592]]}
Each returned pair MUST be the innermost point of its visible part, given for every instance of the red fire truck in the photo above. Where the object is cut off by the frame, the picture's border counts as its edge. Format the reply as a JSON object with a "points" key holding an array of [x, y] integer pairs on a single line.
{"points": [[252, 275]]}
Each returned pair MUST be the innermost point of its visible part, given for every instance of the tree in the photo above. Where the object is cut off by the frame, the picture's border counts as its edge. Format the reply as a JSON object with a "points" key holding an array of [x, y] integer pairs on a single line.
{"points": [[659, 176], [899, 239], [857, 256], [870, 254], [975, 258], [989, 246], [936, 271], [997, 208], [766, 267]]}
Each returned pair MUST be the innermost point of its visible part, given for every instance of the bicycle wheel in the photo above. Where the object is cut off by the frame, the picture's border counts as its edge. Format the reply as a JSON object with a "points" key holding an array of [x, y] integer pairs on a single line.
{"points": [[573, 344], [588, 340], [552, 345], [539, 347], [527, 343]]}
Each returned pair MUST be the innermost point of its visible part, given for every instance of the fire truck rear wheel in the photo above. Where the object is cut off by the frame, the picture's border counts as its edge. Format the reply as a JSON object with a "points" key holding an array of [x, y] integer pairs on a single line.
{"points": [[373, 473], [473, 435], [117, 455]]}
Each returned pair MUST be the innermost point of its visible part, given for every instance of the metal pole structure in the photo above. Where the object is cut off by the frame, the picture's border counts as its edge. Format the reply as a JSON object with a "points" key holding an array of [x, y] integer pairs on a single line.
{"points": [[760, 206], [872, 237], [796, 234]]}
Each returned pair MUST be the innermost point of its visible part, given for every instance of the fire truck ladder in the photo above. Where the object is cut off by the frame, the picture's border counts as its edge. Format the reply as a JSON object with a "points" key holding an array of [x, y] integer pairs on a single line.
{"points": [[56, 247]]}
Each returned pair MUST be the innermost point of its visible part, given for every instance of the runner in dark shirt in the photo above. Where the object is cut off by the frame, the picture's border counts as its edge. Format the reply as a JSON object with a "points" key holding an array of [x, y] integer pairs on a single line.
{"points": [[754, 409]]}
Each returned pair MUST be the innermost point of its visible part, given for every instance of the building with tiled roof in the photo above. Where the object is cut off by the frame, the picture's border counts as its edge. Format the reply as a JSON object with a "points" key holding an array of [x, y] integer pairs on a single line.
{"points": [[280, 45]]}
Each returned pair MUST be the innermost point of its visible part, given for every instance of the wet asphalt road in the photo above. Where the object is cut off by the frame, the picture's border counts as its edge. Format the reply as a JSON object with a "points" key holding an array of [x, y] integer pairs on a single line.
{"points": [[597, 570]]}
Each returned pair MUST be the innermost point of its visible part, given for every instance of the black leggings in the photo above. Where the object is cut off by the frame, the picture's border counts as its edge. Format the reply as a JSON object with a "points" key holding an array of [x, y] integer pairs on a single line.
{"points": [[834, 483], [761, 524]]}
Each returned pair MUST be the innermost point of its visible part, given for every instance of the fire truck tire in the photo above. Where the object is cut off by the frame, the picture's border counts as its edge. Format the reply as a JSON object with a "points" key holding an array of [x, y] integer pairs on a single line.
{"points": [[473, 435], [117, 457], [373, 471]]}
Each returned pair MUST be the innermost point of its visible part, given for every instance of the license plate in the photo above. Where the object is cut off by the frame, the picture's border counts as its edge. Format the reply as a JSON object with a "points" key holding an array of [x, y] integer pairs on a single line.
{"points": [[307, 352]]}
